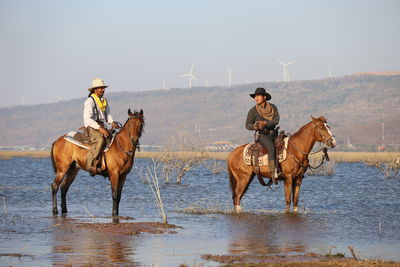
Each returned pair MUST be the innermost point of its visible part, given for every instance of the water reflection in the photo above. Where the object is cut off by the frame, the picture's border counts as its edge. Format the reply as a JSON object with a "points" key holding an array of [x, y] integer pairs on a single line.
{"points": [[269, 234], [76, 245]]}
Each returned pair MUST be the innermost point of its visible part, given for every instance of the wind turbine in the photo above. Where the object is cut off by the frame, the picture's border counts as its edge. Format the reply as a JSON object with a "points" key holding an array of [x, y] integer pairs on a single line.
{"points": [[163, 85], [285, 70], [206, 82], [329, 72], [190, 75], [230, 76], [23, 100]]}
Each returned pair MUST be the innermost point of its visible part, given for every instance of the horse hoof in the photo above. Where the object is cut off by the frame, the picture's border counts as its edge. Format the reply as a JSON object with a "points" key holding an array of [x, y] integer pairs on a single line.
{"points": [[238, 209], [55, 211], [295, 209], [115, 219]]}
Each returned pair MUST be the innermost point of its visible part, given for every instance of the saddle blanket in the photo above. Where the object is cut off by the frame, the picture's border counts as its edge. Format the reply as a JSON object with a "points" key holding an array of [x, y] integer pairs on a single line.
{"points": [[263, 160], [81, 140]]}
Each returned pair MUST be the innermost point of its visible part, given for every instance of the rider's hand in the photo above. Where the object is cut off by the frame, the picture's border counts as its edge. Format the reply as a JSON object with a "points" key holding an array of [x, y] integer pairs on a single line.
{"points": [[115, 125], [256, 127], [103, 131], [262, 124]]}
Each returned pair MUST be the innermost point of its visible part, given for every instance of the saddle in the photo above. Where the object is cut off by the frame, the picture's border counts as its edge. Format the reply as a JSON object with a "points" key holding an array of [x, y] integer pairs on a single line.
{"points": [[81, 139], [257, 156]]}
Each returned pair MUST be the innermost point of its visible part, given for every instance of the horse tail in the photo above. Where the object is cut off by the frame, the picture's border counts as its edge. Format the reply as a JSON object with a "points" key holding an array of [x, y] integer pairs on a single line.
{"points": [[53, 162], [230, 174]]}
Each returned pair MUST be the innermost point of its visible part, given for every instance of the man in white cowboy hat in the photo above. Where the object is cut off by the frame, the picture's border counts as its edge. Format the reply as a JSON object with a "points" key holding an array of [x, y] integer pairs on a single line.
{"points": [[96, 112]]}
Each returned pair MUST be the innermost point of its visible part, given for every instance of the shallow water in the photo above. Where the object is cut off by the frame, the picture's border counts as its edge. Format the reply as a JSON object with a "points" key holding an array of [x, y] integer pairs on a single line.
{"points": [[354, 207]]}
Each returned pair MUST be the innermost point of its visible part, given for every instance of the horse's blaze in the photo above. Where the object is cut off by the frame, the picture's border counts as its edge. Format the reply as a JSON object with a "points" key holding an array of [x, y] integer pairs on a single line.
{"points": [[330, 134]]}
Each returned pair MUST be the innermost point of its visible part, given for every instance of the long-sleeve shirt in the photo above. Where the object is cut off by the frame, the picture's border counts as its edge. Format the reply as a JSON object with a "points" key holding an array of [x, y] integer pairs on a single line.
{"points": [[92, 114], [253, 116]]}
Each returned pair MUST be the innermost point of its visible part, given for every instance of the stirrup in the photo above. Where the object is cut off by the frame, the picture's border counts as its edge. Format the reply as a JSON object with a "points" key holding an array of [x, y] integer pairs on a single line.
{"points": [[275, 177], [94, 171]]}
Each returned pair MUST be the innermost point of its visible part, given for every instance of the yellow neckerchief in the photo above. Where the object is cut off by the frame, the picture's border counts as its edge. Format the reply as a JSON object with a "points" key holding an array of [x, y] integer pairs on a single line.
{"points": [[101, 103]]}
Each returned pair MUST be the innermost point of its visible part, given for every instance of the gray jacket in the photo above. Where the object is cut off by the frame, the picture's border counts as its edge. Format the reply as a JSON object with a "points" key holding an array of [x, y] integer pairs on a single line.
{"points": [[253, 117]]}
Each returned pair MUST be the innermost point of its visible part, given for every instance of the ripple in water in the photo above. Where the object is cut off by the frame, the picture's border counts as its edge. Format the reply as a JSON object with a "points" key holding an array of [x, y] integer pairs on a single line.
{"points": [[355, 206]]}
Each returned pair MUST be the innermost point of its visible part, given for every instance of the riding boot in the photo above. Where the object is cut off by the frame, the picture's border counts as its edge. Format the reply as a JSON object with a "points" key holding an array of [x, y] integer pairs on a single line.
{"points": [[273, 171], [96, 169], [89, 163]]}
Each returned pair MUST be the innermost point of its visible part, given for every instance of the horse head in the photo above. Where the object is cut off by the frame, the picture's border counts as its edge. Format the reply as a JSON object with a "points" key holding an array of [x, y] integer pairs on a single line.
{"points": [[135, 124], [323, 133]]}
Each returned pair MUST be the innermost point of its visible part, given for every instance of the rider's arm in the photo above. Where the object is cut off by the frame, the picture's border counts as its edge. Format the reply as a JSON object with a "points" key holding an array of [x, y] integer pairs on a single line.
{"points": [[250, 120], [88, 114], [275, 120], [109, 118]]}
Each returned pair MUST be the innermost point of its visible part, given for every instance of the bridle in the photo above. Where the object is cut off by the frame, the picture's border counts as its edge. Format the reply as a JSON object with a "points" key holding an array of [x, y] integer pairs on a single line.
{"points": [[324, 151], [134, 139], [318, 129]]}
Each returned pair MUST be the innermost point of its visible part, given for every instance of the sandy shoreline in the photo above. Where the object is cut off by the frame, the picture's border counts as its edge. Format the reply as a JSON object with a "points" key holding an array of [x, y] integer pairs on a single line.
{"points": [[336, 156]]}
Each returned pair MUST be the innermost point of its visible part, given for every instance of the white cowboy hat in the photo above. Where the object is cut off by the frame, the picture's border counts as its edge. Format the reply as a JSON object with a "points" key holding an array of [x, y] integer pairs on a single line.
{"points": [[96, 83]]}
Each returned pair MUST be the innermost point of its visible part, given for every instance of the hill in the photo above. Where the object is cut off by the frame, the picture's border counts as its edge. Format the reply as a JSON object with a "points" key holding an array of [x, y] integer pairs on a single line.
{"points": [[355, 106]]}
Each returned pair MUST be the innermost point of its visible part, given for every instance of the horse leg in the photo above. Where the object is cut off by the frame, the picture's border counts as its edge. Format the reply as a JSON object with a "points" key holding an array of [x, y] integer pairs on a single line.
{"points": [[121, 182], [233, 184], [69, 179], [288, 190], [117, 182], [55, 185], [240, 189], [296, 192]]}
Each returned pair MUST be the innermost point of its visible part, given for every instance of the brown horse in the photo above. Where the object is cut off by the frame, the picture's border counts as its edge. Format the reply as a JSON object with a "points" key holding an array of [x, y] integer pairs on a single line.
{"points": [[68, 159], [293, 168]]}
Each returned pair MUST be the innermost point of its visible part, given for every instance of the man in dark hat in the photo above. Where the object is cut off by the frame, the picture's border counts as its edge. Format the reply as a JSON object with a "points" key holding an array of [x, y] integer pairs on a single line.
{"points": [[263, 117]]}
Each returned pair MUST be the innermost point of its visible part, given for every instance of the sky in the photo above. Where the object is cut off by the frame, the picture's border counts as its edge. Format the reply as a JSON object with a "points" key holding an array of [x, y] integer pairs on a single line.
{"points": [[51, 50]]}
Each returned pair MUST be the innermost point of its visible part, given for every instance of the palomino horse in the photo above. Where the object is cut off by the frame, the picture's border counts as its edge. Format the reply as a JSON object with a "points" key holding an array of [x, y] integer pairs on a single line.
{"points": [[293, 168], [68, 159]]}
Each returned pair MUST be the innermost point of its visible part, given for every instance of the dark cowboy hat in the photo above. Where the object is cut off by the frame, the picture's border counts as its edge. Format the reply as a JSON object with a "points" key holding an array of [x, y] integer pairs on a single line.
{"points": [[261, 91]]}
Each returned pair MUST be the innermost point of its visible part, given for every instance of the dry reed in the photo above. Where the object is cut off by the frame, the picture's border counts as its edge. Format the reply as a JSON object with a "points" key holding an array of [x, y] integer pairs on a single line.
{"points": [[32, 154], [388, 169], [152, 177]]}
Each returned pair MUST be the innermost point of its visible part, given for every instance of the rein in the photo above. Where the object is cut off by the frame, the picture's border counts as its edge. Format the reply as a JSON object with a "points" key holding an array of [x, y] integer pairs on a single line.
{"points": [[325, 155]]}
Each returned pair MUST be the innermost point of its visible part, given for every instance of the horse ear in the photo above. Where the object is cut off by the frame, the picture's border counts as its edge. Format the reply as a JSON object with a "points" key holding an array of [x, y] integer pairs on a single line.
{"points": [[141, 111], [322, 118], [312, 118], [130, 113]]}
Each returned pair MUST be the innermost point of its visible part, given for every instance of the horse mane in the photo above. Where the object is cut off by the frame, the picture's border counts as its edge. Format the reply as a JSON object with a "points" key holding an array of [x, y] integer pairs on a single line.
{"points": [[322, 118], [136, 114], [301, 130]]}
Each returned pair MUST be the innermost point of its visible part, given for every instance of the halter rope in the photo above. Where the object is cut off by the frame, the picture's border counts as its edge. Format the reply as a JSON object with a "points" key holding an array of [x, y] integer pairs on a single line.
{"points": [[324, 150]]}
